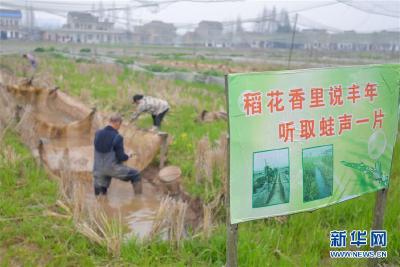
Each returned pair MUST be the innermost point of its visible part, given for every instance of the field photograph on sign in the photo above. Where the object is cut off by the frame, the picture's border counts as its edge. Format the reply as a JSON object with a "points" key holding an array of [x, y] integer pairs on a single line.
{"points": [[317, 172], [271, 185]]}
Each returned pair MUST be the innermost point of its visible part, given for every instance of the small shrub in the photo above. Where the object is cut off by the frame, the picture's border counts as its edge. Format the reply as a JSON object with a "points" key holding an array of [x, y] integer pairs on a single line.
{"points": [[39, 49], [82, 60], [43, 49], [158, 68], [125, 61], [173, 56], [85, 50], [58, 55], [213, 73]]}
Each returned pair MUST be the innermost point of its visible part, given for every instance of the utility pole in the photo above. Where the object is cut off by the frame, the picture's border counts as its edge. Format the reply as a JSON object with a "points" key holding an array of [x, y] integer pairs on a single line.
{"points": [[26, 13], [114, 13], [292, 44], [32, 17], [29, 19], [101, 11], [231, 229], [128, 17]]}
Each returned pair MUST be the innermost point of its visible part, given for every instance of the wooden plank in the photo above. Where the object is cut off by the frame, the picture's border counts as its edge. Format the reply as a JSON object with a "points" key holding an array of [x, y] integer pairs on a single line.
{"points": [[163, 149]]}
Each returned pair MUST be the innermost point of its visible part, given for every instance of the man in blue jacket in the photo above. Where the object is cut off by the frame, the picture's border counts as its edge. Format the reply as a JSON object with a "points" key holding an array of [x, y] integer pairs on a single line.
{"points": [[109, 156]]}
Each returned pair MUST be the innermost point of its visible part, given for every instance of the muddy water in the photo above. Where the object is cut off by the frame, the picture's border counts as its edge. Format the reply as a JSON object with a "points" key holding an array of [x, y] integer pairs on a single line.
{"points": [[66, 131], [137, 211]]}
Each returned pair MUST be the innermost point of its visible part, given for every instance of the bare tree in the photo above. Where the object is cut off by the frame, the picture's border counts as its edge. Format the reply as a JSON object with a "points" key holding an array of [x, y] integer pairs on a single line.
{"points": [[238, 27], [284, 22]]}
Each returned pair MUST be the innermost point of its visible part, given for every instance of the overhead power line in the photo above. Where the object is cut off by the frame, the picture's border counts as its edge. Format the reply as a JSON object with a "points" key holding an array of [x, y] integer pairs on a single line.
{"points": [[117, 12], [375, 7]]}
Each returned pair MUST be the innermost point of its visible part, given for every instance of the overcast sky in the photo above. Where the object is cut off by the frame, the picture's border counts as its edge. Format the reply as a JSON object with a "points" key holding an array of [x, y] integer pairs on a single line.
{"points": [[331, 13], [273, 158]]}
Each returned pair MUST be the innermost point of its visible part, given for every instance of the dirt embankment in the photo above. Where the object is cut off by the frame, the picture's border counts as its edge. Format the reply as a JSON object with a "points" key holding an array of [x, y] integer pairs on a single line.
{"points": [[60, 130]]}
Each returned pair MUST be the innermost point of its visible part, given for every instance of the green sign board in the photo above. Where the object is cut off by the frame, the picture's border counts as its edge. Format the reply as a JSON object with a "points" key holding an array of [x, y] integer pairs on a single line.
{"points": [[305, 139]]}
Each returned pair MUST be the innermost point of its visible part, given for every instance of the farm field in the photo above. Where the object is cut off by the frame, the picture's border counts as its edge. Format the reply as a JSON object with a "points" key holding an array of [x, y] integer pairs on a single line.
{"points": [[35, 230]]}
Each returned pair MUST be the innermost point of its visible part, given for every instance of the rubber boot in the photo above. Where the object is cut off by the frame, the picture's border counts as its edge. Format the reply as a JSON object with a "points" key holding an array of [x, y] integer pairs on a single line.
{"points": [[98, 191], [137, 187]]}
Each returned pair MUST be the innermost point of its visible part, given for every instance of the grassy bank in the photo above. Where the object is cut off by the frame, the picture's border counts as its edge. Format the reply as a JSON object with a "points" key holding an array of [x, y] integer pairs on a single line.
{"points": [[29, 236], [33, 233]]}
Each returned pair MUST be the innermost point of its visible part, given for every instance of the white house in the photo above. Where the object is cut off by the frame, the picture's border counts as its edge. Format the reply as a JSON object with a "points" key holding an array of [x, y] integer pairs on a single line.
{"points": [[10, 24], [82, 27]]}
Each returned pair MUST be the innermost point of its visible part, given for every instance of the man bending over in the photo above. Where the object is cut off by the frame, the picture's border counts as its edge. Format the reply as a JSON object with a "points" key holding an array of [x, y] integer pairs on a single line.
{"points": [[156, 107]]}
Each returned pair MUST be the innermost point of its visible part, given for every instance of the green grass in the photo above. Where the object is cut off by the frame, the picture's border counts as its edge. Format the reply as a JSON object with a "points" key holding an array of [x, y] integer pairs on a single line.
{"points": [[171, 56], [213, 73], [125, 60], [162, 68], [32, 239], [28, 237]]}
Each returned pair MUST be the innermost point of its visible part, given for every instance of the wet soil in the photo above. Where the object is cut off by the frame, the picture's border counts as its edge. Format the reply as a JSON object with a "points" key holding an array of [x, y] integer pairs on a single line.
{"points": [[67, 144]]}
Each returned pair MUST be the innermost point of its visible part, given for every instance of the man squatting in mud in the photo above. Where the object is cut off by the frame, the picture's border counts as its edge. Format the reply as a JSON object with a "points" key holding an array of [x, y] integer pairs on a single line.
{"points": [[109, 156], [156, 107]]}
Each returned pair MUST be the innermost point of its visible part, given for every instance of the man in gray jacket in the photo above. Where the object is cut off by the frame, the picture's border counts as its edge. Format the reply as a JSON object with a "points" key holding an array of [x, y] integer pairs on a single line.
{"points": [[109, 156], [156, 107]]}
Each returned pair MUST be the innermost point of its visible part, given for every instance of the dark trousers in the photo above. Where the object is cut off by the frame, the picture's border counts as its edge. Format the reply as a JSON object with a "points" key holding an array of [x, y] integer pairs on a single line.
{"points": [[102, 181], [158, 118]]}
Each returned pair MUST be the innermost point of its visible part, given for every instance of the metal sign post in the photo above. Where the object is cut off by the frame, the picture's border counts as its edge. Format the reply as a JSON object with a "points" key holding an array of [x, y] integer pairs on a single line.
{"points": [[379, 214], [231, 229]]}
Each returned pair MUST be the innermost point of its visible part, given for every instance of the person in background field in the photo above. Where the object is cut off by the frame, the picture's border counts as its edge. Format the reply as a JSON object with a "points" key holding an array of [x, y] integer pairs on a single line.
{"points": [[109, 156], [33, 62], [156, 107]]}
